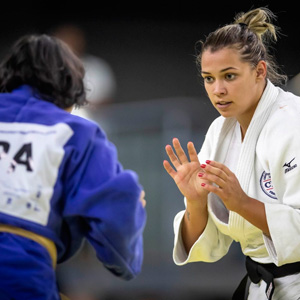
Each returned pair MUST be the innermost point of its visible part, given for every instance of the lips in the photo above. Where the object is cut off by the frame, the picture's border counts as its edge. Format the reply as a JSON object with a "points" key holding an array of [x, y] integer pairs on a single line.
{"points": [[223, 104]]}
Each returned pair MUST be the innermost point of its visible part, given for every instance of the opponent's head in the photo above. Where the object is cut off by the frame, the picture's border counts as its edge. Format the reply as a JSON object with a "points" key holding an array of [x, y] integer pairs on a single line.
{"points": [[250, 34], [49, 66]]}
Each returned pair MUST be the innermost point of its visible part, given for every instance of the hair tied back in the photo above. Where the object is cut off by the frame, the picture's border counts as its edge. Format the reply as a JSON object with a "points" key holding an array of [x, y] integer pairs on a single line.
{"points": [[243, 25]]}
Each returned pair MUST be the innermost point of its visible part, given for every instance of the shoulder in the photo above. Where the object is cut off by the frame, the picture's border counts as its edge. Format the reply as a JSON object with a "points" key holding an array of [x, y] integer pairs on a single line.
{"points": [[212, 136], [220, 126], [286, 111], [216, 125], [283, 123], [85, 131], [80, 121]]}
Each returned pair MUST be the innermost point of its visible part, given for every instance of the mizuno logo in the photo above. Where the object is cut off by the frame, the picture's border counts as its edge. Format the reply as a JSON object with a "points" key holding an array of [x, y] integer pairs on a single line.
{"points": [[289, 166]]}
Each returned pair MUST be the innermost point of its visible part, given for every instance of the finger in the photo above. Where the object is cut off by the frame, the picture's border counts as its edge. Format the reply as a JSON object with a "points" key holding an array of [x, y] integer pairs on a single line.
{"points": [[143, 201], [192, 152], [142, 195], [142, 198], [215, 170], [213, 189], [169, 169], [179, 151], [213, 179], [173, 158], [219, 166]]}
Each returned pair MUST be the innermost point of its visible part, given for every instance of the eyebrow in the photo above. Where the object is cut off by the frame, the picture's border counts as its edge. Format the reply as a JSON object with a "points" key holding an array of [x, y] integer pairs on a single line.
{"points": [[223, 70]]}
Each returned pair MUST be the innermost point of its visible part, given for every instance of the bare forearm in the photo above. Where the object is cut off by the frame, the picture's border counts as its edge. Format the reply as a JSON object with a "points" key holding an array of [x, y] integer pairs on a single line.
{"points": [[194, 223], [254, 212]]}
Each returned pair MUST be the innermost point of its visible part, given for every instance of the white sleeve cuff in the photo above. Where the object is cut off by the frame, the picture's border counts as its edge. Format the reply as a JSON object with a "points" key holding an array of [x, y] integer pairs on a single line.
{"points": [[207, 248], [284, 224]]}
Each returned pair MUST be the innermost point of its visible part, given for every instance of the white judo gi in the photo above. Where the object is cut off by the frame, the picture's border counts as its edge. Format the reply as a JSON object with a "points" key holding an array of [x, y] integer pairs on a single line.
{"points": [[268, 169]]}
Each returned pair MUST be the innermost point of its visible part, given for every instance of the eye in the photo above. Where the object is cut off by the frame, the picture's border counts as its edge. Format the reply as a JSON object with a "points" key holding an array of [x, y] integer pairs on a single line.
{"points": [[208, 79], [230, 76]]}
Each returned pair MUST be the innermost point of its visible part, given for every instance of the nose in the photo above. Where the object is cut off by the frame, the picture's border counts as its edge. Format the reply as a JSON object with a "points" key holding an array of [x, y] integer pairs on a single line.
{"points": [[219, 88]]}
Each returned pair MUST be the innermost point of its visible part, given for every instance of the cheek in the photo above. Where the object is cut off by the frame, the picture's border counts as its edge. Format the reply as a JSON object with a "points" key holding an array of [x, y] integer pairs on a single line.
{"points": [[243, 87], [208, 89], [247, 88]]}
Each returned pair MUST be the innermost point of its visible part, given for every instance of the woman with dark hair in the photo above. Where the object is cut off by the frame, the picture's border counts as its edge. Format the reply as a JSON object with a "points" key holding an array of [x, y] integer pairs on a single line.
{"points": [[246, 187], [60, 178], [48, 66]]}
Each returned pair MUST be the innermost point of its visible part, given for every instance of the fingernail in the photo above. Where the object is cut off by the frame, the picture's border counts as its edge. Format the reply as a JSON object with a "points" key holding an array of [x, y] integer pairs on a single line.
{"points": [[208, 162], [203, 166], [200, 174], [202, 184]]}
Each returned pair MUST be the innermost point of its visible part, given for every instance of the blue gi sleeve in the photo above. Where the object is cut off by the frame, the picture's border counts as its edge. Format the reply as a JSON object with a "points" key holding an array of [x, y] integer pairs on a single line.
{"points": [[106, 197]]}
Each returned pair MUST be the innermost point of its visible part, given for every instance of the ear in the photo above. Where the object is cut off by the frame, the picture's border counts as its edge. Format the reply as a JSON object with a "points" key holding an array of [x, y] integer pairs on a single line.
{"points": [[261, 70]]}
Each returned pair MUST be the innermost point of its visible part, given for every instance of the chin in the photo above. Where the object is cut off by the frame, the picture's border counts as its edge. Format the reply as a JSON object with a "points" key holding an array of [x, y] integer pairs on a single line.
{"points": [[226, 114]]}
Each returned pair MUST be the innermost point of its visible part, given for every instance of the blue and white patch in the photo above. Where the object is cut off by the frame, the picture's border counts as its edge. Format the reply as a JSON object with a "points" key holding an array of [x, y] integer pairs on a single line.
{"points": [[266, 185], [30, 157]]}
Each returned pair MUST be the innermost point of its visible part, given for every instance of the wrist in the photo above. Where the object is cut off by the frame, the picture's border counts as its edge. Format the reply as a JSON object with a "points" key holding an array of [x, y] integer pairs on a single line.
{"points": [[243, 206], [198, 204]]}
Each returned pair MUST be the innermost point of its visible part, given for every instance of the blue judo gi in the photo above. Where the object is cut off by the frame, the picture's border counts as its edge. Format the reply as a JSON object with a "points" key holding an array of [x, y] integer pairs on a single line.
{"points": [[60, 178]]}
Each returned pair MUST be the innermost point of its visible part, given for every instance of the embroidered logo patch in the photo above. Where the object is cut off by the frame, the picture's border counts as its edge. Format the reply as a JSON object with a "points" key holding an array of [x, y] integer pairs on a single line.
{"points": [[289, 166], [266, 185]]}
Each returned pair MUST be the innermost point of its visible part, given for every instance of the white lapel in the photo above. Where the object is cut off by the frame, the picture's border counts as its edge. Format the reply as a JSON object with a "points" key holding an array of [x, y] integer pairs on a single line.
{"points": [[247, 155]]}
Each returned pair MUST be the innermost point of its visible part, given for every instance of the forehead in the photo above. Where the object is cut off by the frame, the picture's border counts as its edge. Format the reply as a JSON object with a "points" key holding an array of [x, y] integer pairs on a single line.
{"points": [[221, 59]]}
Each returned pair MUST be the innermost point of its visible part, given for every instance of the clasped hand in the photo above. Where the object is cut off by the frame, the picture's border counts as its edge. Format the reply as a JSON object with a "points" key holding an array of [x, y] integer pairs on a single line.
{"points": [[196, 180]]}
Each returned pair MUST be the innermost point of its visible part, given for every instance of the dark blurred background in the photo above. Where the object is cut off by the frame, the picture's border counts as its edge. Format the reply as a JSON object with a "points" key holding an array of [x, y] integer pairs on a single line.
{"points": [[147, 50]]}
